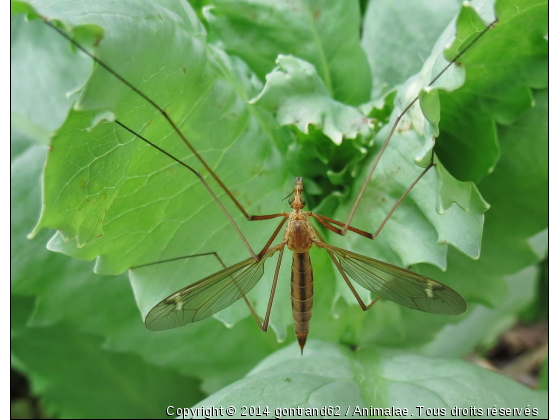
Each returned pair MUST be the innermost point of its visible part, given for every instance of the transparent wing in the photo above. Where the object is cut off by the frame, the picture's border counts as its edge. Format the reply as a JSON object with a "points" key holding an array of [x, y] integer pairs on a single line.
{"points": [[207, 296], [399, 285]]}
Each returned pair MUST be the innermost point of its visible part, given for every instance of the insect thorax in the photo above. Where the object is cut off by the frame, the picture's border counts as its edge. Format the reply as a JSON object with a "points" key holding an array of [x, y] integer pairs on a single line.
{"points": [[299, 233]]}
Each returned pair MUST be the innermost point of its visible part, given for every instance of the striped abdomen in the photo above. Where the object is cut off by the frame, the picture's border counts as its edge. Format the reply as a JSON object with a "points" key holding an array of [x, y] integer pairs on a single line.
{"points": [[302, 295]]}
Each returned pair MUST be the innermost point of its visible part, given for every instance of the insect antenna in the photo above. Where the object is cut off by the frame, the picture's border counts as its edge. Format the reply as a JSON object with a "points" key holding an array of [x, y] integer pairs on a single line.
{"points": [[288, 196]]}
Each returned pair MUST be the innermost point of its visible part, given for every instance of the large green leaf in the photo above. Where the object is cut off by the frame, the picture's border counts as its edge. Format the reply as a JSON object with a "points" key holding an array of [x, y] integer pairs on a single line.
{"points": [[113, 191], [33, 47], [483, 324], [77, 378], [324, 33], [497, 285], [405, 236], [469, 115], [111, 174], [518, 193], [328, 376], [398, 37], [65, 290]]}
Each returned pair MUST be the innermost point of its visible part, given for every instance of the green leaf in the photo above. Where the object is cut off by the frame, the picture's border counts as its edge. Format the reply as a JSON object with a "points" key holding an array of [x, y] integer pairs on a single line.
{"points": [[486, 324], [20, 309], [411, 233], [66, 291], [398, 36], [539, 243], [77, 378], [96, 195], [517, 191], [523, 174], [17, 7], [323, 33], [296, 94], [331, 376], [42, 56], [500, 74], [543, 377], [399, 243]]}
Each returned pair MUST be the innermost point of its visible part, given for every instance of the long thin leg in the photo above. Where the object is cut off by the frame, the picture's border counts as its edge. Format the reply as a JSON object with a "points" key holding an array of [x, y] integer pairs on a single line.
{"points": [[265, 248], [378, 157], [399, 201], [264, 326], [323, 219], [346, 279], [181, 258], [350, 285], [176, 129], [325, 224], [269, 216], [156, 106], [263, 217]]}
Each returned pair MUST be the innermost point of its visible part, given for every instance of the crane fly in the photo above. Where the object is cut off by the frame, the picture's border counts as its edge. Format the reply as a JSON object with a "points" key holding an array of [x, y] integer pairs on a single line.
{"points": [[210, 295], [216, 292]]}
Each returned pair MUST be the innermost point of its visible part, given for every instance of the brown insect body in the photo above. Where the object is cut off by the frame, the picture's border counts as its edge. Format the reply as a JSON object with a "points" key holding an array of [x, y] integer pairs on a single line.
{"points": [[210, 295], [299, 237], [302, 295]]}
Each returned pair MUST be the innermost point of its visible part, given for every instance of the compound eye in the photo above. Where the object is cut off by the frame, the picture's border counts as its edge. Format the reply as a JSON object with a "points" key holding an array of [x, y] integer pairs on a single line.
{"points": [[291, 200], [303, 201]]}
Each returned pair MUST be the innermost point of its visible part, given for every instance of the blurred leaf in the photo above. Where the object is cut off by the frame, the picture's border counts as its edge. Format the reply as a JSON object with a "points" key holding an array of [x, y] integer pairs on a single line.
{"points": [[482, 324], [543, 376], [77, 378], [23, 409], [324, 33], [20, 309], [19, 142], [328, 375], [296, 94], [539, 243], [41, 55], [538, 309], [398, 37]]}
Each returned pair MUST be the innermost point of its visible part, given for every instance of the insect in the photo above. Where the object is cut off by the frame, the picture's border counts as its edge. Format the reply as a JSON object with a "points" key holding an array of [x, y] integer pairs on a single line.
{"points": [[216, 292]]}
